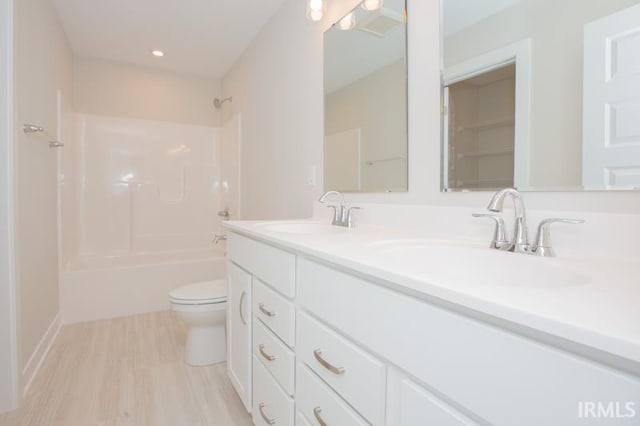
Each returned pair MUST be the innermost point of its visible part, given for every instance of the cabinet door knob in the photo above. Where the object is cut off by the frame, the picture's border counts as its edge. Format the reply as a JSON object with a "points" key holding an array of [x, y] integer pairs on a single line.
{"points": [[316, 412], [266, 311], [265, 355], [335, 370], [265, 417]]}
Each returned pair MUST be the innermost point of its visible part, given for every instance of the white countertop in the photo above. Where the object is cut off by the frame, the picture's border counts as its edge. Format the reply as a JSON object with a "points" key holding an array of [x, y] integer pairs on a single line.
{"points": [[601, 313]]}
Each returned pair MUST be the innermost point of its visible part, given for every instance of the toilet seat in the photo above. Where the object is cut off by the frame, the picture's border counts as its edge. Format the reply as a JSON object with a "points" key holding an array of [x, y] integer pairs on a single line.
{"points": [[200, 293]]}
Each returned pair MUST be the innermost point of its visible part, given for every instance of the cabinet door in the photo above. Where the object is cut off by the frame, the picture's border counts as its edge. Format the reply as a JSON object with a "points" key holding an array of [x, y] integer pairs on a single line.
{"points": [[239, 331], [409, 404]]}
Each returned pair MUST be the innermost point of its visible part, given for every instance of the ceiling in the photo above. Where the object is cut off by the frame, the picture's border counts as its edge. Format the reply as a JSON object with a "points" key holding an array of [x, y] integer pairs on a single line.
{"points": [[199, 37], [459, 14]]}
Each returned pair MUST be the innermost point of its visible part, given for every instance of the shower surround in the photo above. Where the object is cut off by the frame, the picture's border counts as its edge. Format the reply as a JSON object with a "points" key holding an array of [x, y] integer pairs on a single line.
{"points": [[142, 212]]}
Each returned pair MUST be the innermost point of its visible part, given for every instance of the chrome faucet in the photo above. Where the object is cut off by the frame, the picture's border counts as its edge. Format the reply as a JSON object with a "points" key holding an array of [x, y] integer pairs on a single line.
{"points": [[341, 214], [519, 241]]}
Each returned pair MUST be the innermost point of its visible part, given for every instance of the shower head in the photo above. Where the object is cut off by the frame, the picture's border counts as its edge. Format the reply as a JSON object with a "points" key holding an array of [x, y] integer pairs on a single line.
{"points": [[217, 102]]}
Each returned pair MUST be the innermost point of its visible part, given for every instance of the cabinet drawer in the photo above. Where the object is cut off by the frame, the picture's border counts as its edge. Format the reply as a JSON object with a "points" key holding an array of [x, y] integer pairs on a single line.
{"points": [[275, 311], [273, 266], [314, 399], [357, 376], [461, 358], [271, 406], [275, 355]]}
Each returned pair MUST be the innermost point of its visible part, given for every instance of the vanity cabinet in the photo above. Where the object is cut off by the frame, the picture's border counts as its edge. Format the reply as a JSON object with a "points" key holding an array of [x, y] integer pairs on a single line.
{"points": [[352, 350], [270, 344]]}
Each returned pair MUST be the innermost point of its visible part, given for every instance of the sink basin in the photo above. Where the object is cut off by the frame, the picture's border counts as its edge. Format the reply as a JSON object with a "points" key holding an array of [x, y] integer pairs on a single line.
{"points": [[469, 264], [302, 228]]}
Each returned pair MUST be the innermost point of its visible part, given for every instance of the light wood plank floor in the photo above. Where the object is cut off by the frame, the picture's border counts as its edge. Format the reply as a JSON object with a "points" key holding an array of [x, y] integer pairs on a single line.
{"points": [[127, 371]]}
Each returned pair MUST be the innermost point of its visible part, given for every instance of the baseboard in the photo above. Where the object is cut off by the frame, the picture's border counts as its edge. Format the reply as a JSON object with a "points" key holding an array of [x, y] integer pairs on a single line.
{"points": [[40, 354]]}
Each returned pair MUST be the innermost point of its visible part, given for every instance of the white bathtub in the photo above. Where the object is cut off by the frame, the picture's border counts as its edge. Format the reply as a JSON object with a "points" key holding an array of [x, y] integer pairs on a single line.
{"points": [[99, 287]]}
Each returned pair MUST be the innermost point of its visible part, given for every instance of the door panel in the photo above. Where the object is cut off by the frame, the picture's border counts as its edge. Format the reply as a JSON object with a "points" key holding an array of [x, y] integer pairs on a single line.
{"points": [[239, 331]]}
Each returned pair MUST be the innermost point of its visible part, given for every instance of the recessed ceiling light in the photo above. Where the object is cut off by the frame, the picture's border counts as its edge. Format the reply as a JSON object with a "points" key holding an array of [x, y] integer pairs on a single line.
{"points": [[158, 53]]}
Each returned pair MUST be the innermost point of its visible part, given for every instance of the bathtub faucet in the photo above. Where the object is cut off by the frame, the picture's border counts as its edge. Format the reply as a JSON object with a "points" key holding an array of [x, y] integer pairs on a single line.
{"points": [[219, 237]]}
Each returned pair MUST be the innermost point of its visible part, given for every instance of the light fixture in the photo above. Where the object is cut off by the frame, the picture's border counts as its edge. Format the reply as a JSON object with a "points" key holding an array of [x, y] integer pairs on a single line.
{"points": [[348, 22], [315, 10], [158, 53], [372, 4]]}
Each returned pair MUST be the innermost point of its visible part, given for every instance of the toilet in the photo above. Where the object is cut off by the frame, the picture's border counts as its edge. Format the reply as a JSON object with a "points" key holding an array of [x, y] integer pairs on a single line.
{"points": [[202, 306]]}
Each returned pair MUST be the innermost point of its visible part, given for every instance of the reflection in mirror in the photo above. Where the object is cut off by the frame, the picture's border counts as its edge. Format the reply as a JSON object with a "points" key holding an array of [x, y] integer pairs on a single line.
{"points": [[567, 117], [365, 94], [481, 112]]}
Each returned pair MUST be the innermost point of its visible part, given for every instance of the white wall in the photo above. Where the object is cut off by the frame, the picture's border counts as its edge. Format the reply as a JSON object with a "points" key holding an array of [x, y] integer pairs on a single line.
{"points": [[8, 361], [130, 91], [277, 85], [42, 68]]}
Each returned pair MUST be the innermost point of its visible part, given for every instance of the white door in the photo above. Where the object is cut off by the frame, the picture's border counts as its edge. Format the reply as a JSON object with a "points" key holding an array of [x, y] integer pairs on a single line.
{"points": [[611, 101], [239, 332]]}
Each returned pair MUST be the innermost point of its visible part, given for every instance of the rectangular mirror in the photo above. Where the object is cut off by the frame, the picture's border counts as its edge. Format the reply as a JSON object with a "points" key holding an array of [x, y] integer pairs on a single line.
{"points": [[365, 100], [541, 95]]}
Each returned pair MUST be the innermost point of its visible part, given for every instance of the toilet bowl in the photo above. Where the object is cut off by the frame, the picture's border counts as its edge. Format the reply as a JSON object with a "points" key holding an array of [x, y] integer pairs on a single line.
{"points": [[202, 306]]}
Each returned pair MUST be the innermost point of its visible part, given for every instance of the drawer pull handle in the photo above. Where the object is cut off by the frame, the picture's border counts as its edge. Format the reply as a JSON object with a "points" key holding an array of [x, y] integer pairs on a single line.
{"points": [[335, 370], [316, 412], [265, 355], [242, 296], [266, 311], [265, 417]]}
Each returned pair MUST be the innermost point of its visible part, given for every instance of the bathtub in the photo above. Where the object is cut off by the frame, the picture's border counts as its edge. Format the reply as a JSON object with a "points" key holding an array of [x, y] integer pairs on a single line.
{"points": [[109, 286]]}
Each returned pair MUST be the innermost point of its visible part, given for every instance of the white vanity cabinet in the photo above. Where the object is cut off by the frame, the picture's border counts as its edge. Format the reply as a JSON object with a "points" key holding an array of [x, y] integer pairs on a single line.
{"points": [[349, 350], [466, 367], [269, 345]]}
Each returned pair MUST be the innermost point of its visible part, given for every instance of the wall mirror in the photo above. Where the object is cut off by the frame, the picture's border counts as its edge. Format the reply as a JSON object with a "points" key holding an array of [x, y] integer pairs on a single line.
{"points": [[365, 100], [541, 94]]}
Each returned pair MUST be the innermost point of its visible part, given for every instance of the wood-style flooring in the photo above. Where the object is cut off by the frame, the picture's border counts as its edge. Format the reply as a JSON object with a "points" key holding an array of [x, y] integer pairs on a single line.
{"points": [[127, 372]]}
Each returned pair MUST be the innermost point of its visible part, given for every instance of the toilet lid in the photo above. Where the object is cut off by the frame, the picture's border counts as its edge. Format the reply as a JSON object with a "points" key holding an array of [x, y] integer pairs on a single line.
{"points": [[202, 292]]}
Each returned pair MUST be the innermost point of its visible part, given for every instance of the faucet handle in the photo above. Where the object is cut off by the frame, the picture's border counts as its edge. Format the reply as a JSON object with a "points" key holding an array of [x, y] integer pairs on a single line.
{"points": [[499, 234], [347, 219], [542, 242]]}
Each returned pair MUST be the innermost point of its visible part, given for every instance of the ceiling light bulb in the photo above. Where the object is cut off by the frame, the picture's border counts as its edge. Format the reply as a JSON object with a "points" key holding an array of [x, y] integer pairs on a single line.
{"points": [[314, 15], [348, 22], [315, 10], [372, 4], [158, 53], [315, 4]]}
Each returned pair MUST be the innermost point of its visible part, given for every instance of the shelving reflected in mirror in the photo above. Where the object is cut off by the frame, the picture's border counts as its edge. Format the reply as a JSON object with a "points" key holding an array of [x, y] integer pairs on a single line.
{"points": [[541, 95], [365, 101]]}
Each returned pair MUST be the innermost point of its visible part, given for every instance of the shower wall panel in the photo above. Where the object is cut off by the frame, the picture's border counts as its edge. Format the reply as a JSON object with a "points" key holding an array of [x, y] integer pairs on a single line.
{"points": [[146, 186]]}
